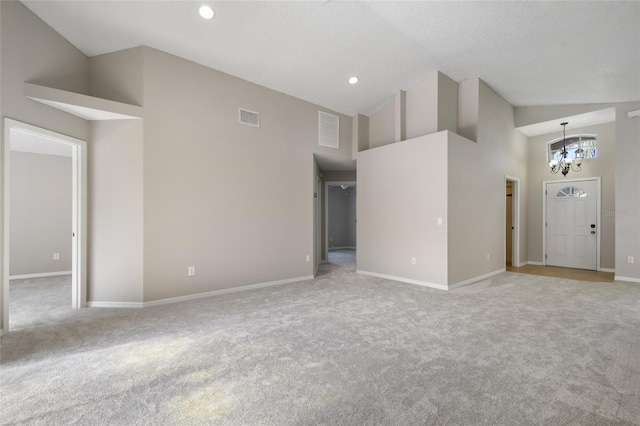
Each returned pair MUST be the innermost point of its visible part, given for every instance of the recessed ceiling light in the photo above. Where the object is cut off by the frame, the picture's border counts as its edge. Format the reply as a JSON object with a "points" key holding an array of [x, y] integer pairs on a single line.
{"points": [[206, 12], [353, 80]]}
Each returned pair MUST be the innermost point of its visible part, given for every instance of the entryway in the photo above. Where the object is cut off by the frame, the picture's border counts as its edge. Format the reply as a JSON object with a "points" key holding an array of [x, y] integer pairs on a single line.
{"points": [[572, 224], [32, 139], [512, 221], [340, 217]]}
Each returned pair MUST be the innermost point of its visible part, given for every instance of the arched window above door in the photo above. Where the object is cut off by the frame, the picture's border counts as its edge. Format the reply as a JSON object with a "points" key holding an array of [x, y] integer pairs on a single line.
{"points": [[586, 145], [571, 191]]}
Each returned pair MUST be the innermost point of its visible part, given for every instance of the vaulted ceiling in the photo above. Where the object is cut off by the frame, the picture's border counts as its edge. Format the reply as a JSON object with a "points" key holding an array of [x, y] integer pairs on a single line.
{"points": [[531, 52]]}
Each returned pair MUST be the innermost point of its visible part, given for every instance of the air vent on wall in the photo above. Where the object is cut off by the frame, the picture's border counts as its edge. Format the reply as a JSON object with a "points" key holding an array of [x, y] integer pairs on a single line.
{"points": [[329, 130], [250, 118]]}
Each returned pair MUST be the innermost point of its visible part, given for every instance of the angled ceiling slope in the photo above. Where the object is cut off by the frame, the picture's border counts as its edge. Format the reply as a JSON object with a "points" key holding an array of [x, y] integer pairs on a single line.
{"points": [[531, 52]]}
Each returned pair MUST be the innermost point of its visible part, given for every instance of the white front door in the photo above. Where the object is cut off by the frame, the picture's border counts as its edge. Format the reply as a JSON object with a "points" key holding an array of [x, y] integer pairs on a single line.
{"points": [[571, 235]]}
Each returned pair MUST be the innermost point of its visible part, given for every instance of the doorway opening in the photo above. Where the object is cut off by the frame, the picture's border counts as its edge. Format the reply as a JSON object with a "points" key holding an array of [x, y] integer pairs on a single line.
{"points": [[41, 143], [571, 216], [340, 222], [512, 222]]}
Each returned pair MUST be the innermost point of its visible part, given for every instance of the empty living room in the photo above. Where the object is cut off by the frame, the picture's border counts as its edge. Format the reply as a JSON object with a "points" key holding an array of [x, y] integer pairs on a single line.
{"points": [[320, 212]]}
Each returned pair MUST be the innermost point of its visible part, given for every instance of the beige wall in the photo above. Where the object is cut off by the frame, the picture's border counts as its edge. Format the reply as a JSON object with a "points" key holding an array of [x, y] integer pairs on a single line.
{"points": [[210, 182], [116, 263], [399, 201], [476, 192], [360, 135], [422, 107], [382, 125], [432, 106], [115, 267], [118, 76], [352, 201], [447, 104], [33, 52], [40, 213], [468, 108], [603, 166]]}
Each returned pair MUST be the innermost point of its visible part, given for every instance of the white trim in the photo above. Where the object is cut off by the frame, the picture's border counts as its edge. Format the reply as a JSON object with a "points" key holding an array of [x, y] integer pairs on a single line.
{"points": [[633, 114], [403, 280], [611, 270], [79, 211], [515, 243], [225, 291], [626, 279], [476, 279], [534, 262], [598, 223], [41, 275], [115, 305]]}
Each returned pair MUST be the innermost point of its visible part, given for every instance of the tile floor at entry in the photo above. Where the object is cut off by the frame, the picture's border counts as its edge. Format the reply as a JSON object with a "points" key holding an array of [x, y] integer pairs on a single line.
{"points": [[570, 273]]}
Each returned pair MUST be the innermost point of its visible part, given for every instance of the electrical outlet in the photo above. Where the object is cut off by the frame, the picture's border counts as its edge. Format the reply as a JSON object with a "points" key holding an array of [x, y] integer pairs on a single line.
{"points": [[191, 271], [440, 221], [630, 259], [488, 256], [308, 258], [413, 260], [56, 256]]}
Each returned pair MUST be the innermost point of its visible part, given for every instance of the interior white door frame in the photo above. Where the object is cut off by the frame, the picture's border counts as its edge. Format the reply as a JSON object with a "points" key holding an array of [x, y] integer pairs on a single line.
{"points": [[515, 198], [318, 223], [326, 212], [79, 212], [544, 214]]}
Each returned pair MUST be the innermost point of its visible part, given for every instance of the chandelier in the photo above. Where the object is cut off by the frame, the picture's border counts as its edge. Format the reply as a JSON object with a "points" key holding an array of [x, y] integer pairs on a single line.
{"points": [[565, 164]]}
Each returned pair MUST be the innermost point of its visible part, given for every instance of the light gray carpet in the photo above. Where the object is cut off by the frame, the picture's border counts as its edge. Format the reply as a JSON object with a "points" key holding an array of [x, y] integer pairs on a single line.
{"points": [[342, 349], [39, 301]]}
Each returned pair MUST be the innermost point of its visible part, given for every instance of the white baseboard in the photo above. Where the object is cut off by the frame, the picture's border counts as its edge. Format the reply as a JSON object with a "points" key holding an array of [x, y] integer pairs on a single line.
{"points": [[41, 275], [626, 279], [476, 279], [533, 262], [115, 304], [403, 280], [613, 271], [225, 291]]}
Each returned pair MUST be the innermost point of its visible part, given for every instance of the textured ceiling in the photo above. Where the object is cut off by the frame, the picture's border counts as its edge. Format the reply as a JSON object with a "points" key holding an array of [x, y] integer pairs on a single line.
{"points": [[532, 53]]}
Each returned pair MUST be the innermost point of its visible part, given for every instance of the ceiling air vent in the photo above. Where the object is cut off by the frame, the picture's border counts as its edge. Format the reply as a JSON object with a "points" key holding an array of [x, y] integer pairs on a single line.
{"points": [[329, 130], [250, 118]]}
